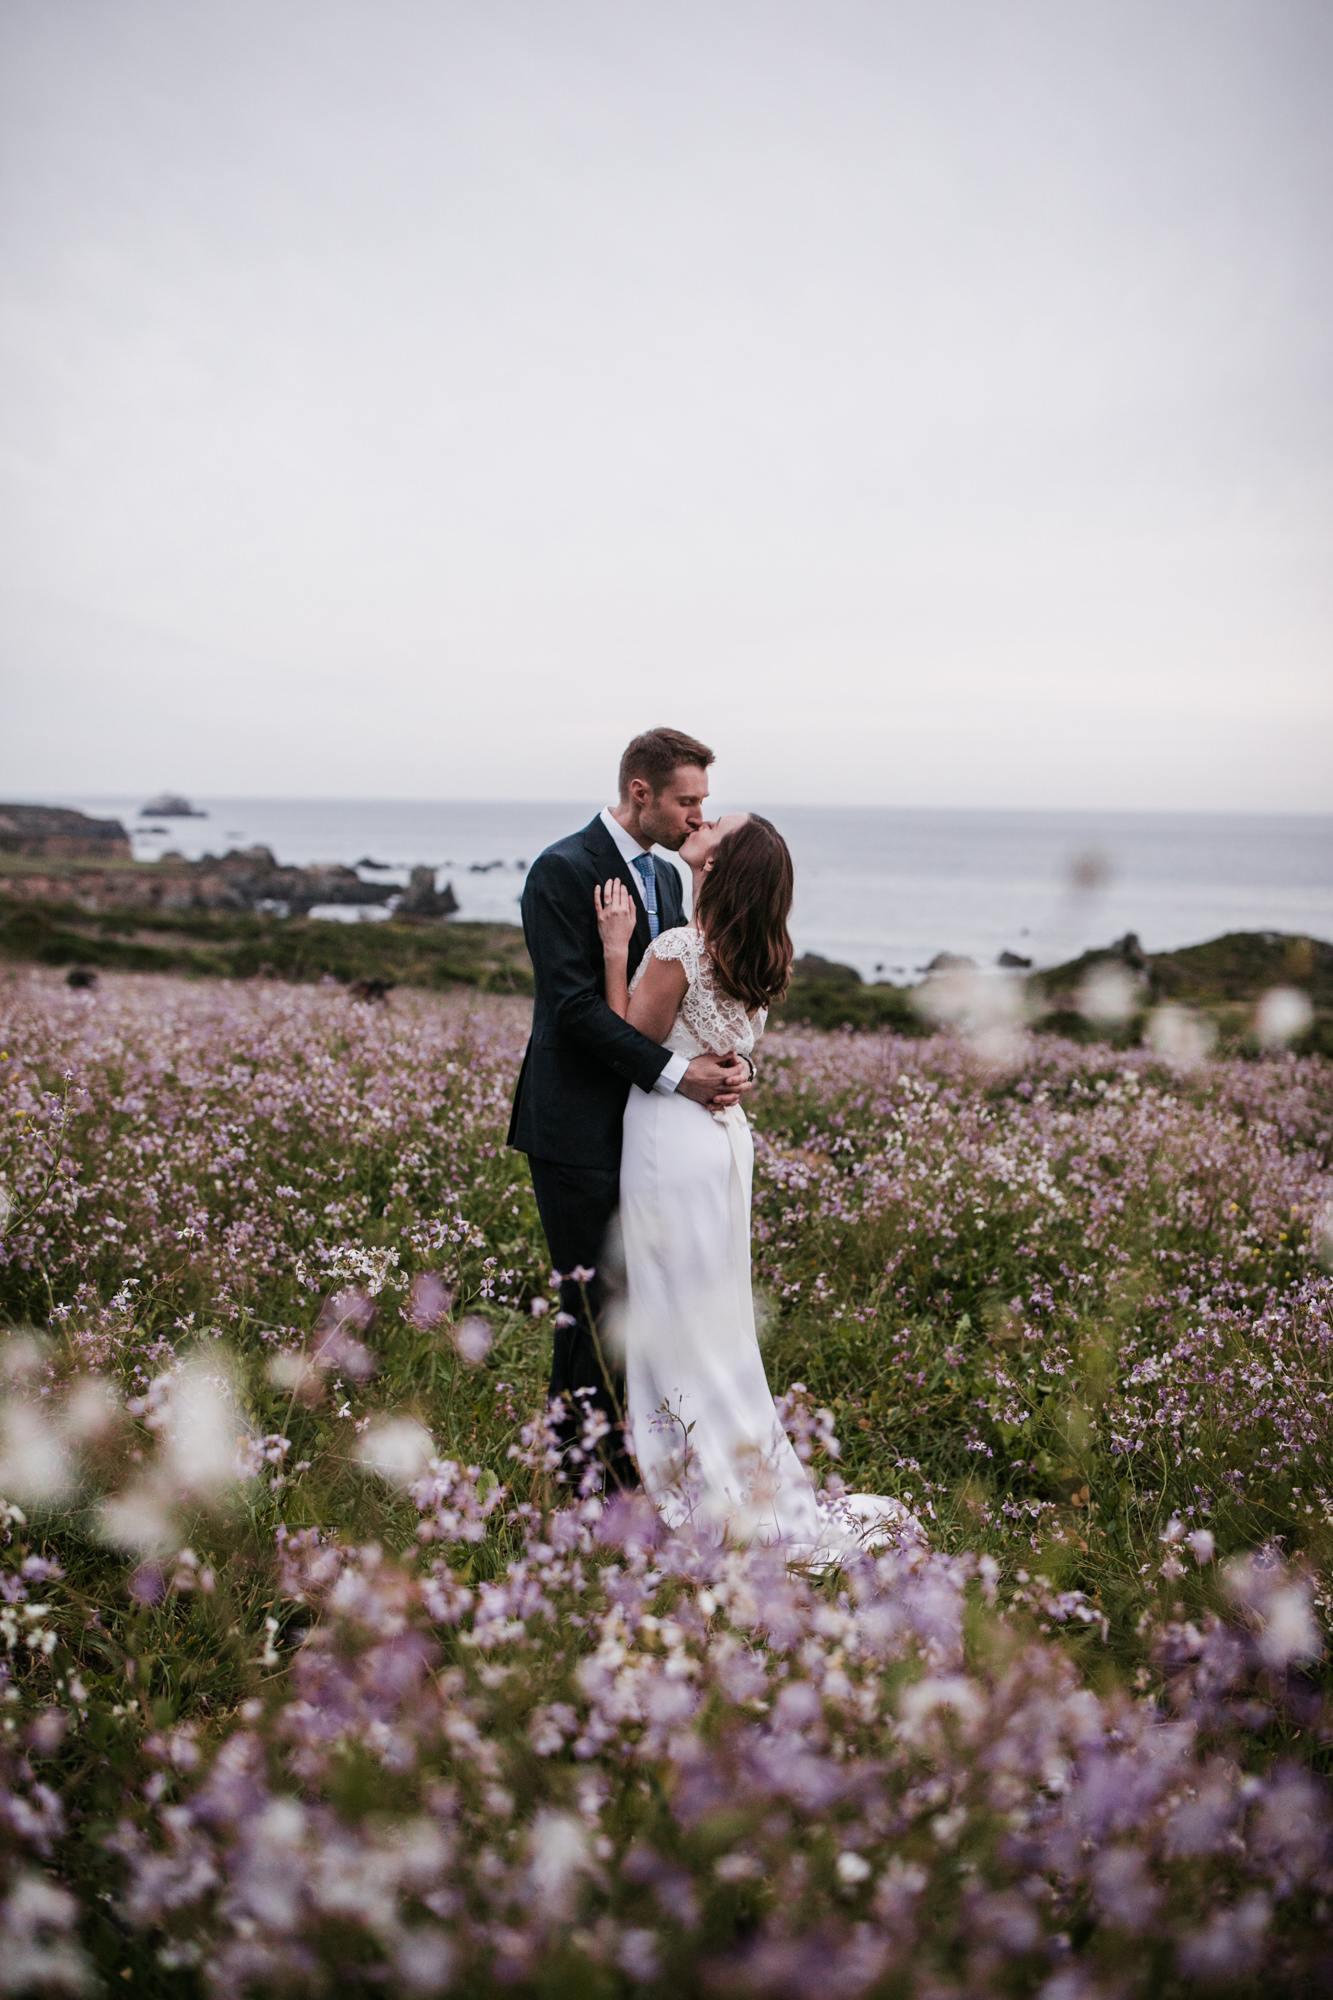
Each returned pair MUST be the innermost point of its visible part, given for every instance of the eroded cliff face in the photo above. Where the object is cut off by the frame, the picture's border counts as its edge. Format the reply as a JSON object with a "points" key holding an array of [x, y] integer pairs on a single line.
{"points": [[57, 833], [245, 879]]}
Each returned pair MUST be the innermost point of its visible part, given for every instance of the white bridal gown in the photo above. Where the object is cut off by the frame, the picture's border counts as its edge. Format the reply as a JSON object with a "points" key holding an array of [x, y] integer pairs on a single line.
{"points": [[701, 1421]]}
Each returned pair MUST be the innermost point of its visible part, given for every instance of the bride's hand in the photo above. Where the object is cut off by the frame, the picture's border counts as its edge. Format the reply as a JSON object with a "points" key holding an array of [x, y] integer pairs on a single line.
{"points": [[615, 917]]}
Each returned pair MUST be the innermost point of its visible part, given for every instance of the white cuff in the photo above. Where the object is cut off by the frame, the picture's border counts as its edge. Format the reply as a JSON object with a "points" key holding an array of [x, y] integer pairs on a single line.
{"points": [[672, 1074]]}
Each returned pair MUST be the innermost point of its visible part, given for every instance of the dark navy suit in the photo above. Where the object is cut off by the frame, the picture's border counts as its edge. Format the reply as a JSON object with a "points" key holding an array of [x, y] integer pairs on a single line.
{"points": [[581, 1062]]}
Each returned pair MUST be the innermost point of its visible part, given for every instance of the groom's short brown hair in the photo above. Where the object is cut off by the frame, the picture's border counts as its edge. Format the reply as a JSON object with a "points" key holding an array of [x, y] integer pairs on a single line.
{"points": [[657, 753]]}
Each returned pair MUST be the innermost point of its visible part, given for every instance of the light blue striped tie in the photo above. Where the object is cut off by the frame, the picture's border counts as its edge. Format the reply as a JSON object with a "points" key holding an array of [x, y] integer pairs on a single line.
{"points": [[647, 868]]}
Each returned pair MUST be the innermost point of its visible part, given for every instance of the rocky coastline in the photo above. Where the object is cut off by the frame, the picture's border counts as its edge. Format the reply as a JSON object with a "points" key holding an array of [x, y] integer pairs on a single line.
{"points": [[72, 894], [50, 854]]}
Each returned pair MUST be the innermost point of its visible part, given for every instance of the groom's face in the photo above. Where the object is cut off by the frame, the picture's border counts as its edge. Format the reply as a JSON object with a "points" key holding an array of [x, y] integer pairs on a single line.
{"points": [[678, 809]]}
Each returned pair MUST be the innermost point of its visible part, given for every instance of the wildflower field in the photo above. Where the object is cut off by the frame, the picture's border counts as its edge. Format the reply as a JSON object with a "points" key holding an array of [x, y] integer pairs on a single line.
{"points": [[321, 1676]]}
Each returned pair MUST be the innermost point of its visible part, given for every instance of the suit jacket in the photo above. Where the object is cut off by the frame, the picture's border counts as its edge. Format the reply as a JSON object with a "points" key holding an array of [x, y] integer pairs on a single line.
{"points": [[582, 1058]]}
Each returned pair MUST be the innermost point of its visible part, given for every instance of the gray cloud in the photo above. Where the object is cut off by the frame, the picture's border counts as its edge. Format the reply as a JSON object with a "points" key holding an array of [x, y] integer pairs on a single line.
{"points": [[928, 404]]}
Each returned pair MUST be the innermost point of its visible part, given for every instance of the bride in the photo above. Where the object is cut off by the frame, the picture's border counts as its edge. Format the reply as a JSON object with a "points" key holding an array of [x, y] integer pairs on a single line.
{"points": [[700, 1418]]}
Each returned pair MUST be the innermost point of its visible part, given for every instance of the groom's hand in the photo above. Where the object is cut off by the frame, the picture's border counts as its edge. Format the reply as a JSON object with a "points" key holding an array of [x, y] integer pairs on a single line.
{"points": [[716, 1081]]}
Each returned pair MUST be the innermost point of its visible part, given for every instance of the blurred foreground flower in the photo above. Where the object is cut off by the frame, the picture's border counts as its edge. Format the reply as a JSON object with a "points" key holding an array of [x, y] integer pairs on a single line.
{"points": [[429, 1301], [1283, 1014], [91, 1409], [35, 1464], [41, 1954], [398, 1448], [200, 1425], [341, 1318], [203, 1451], [474, 1340], [1109, 995], [1321, 1235], [141, 1519], [1183, 1037], [989, 1009], [1282, 1604], [291, 1370]]}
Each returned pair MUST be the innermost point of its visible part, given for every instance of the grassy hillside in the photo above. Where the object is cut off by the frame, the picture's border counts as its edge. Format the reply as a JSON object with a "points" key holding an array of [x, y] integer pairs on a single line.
{"points": [[1223, 979], [824, 994], [215, 944]]}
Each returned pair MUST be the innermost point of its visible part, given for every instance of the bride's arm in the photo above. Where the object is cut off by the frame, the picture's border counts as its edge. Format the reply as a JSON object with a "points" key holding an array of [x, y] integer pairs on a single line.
{"points": [[615, 923], [656, 999]]}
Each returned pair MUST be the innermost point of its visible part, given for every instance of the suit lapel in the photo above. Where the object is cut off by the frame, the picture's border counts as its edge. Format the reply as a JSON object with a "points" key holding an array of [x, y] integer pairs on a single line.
{"points": [[610, 862], [670, 895]]}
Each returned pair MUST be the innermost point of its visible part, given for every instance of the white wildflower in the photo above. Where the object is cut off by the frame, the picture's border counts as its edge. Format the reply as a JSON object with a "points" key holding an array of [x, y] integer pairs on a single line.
{"points": [[34, 1463], [474, 1340], [1283, 1014], [398, 1448], [558, 1847]]}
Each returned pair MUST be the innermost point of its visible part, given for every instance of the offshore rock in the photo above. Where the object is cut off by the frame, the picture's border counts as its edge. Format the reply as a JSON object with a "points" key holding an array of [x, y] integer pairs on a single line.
{"points": [[812, 969], [422, 899], [57, 833], [170, 805], [950, 961], [250, 876]]}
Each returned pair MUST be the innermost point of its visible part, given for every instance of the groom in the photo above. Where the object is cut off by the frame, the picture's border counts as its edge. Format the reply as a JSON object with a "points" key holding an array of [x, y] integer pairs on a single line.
{"points": [[582, 1060]]}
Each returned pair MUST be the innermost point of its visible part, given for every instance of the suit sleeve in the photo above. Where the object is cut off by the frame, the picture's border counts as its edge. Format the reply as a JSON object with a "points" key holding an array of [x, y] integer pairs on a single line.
{"points": [[556, 926]]}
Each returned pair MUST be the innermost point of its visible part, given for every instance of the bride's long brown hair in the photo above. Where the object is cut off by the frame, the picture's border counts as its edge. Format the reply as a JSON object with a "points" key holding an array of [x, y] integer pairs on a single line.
{"points": [[744, 903]]}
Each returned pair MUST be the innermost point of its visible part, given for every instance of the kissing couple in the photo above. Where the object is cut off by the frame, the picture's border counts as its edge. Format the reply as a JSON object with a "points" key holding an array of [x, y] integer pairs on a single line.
{"points": [[630, 1102]]}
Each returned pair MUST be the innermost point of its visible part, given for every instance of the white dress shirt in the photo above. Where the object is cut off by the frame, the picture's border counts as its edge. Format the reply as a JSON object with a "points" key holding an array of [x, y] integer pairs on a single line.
{"points": [[630, 849]]}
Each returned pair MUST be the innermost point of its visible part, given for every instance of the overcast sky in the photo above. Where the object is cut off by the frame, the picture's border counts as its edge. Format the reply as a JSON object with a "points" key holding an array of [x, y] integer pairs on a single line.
{"points": [[925, 403]]}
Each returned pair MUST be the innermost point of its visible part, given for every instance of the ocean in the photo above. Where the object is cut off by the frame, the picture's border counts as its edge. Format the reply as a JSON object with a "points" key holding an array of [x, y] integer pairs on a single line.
{"points": [[880, 888]]}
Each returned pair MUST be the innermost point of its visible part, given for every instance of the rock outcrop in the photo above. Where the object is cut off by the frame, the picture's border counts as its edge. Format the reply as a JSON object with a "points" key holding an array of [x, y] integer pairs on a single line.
{"points": [[170, 805], [248, 878], [57, 833], [422, 899]]}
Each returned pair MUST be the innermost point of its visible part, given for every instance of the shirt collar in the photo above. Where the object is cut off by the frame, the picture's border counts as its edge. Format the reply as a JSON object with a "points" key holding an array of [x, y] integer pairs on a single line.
{"points": [[630, 850]]}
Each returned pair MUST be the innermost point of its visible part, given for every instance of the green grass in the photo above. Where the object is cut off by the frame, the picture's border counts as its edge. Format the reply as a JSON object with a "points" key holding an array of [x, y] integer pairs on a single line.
{"points": [[1222, 980], [966, 1264], [825, 994], [223, 945]]}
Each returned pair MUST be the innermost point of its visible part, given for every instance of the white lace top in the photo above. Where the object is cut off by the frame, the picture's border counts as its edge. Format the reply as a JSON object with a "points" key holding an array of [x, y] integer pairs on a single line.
{"points": [[710, 1022]]}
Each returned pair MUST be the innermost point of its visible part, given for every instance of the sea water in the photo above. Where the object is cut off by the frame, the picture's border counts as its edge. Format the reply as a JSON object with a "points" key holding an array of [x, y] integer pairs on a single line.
{"points": [[880, 888]]}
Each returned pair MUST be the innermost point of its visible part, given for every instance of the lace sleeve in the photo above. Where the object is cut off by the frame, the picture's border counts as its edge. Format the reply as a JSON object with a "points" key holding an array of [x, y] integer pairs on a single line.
{"points": [[681, 943]]}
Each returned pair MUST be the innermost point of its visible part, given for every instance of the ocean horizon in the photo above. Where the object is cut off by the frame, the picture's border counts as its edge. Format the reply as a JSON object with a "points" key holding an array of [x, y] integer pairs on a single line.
{"points": [[883, 888]]}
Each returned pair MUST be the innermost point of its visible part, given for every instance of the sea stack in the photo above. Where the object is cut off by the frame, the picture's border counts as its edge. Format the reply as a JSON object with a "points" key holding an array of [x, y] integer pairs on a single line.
{"points": [[170, 805]]}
